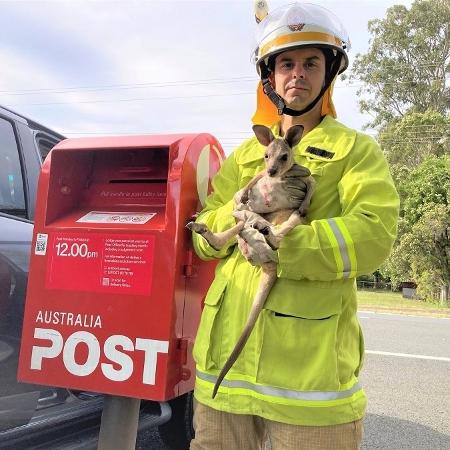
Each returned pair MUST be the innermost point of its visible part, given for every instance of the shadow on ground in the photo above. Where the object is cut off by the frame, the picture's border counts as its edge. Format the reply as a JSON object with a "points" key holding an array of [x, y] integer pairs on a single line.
{"points": [[391, 433]]}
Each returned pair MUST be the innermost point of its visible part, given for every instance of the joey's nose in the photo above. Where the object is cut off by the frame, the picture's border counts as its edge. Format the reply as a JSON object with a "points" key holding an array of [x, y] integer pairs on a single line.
{"points": [[272, 172]]}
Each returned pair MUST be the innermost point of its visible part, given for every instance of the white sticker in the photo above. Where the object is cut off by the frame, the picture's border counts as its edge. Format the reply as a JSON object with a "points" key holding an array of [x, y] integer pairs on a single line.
{"points": [[116, 217], [41, 244]]}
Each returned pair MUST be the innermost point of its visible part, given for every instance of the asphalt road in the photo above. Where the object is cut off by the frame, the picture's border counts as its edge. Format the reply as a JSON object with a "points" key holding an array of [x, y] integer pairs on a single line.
{"points": [[407, 380]]}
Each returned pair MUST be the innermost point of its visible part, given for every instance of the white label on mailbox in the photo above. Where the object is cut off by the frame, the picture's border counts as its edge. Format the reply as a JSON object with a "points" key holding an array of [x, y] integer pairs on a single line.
{"points": [[113, 349], [41, 244], [116, 217]]}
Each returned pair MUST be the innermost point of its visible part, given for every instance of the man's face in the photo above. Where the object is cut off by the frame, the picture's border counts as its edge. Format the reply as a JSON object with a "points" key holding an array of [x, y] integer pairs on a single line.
{"points": [[298, 76]]}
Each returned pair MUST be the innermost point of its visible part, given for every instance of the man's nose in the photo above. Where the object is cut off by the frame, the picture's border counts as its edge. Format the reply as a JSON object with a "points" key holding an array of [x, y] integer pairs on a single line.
{"points": [[299, 71]]}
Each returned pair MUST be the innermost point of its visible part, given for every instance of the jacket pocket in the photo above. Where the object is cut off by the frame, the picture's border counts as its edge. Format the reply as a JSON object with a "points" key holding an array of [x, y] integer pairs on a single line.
{"points": [[299, 340], [207, 348]]}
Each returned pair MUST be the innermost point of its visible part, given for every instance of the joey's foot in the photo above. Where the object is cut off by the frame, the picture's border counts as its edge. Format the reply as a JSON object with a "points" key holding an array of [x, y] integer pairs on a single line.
{"points": [[199, 228]]}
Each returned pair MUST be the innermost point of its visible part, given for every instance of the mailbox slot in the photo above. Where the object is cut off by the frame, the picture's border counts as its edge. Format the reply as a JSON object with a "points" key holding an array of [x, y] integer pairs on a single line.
{"points": [[116, 180]]}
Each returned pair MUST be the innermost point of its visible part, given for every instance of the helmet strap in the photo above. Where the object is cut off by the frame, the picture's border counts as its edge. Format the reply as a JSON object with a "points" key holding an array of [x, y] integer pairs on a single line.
{"points": [[279, 102]]}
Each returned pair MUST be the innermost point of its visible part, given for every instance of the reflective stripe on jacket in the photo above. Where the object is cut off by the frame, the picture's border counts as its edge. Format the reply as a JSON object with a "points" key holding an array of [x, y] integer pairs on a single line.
{"points": [[301, 362]]}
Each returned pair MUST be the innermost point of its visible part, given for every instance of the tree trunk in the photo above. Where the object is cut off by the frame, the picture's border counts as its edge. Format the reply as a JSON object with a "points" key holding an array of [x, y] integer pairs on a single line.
{"points": [[445, 291]]}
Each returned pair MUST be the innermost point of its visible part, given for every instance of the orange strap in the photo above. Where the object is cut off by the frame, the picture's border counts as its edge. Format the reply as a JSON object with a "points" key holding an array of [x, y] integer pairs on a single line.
{"points": [[266, 113]]}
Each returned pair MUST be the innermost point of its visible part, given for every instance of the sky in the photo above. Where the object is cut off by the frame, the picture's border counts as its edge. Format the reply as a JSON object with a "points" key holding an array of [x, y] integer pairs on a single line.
{"points": [[103, 67]]}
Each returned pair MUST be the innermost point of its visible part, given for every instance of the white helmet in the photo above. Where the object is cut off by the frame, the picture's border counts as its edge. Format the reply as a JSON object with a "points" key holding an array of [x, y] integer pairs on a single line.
{"points": [[298, 25]]}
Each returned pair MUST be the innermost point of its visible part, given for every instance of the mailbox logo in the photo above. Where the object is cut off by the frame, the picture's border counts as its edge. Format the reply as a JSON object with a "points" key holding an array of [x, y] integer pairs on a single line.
{"points": [[120, 366]]}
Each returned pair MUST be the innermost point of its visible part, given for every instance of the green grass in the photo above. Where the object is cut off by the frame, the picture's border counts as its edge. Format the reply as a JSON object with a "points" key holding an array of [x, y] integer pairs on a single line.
{"points": [[394, 300]]}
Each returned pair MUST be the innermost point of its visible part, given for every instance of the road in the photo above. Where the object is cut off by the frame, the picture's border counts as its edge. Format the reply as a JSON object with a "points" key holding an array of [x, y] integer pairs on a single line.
{"points": [[406, 376]]}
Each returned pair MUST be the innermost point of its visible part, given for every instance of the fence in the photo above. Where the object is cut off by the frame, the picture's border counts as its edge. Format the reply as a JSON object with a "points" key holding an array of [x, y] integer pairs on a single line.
{"points": [[374, 285]]}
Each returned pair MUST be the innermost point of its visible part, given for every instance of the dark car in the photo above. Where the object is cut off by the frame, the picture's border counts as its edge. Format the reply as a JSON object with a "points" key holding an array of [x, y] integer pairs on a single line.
{"points": [[32, 416]]}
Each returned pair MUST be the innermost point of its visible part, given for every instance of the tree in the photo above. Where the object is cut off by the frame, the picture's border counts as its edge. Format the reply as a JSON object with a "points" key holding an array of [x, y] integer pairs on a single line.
{"points": [[407, 66], [411, 139], [422, 252]]}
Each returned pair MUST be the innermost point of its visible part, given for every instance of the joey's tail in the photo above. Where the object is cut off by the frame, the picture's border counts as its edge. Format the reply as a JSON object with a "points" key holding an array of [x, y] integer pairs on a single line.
{"points": [[268, 278]]}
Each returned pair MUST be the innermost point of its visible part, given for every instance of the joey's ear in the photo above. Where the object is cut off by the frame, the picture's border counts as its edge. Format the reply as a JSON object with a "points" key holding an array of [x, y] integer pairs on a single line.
{"points": [[263, 134], [293, 135]]}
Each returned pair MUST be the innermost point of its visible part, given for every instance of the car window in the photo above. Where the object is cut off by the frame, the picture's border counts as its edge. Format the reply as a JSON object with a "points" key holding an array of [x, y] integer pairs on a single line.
{"points": [[12, 200], [45, 143]]}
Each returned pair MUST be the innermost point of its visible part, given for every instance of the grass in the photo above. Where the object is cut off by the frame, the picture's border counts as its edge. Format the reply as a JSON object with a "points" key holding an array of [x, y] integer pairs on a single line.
{"points": [[387, 300]]}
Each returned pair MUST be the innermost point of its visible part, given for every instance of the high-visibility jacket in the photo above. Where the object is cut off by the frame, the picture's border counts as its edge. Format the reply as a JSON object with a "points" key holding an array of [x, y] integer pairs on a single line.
{"points": [[301, 362]]}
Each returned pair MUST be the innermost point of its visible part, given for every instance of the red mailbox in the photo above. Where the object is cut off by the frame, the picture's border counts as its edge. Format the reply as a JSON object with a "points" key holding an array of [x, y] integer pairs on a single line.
{"points": [[115, 291]]}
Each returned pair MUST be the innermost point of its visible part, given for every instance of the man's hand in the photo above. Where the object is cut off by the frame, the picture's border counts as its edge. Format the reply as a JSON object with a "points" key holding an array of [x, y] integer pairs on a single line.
{"points": [[254, 247], [293, 183]]}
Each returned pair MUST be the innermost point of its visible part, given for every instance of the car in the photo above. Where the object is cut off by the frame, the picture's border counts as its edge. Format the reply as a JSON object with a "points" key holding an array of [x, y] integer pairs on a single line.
{"points": [[33, 416]]}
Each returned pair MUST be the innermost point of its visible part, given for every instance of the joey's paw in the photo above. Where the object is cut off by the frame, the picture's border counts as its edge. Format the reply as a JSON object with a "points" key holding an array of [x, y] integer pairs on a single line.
{"points": [[241, 197], [273, 241], [241, 207], [199, 228], [263, 226], [303, 210], [263, 229]]}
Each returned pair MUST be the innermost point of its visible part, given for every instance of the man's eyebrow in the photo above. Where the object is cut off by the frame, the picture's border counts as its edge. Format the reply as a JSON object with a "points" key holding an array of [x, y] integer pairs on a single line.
{"points": [[289, 58], [310, 58]]}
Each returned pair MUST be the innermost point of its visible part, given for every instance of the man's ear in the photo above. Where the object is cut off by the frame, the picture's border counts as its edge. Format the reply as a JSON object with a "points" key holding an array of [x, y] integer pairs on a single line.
{"points": [[293, 135], [272, 79], [263, 134]]}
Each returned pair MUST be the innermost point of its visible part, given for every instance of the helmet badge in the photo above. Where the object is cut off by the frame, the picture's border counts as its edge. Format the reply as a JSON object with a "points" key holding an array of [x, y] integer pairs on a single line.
{"points": [[296, 27]]}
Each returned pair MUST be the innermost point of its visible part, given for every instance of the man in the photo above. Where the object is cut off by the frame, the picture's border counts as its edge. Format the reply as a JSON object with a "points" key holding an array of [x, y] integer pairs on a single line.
{"points": [[296, 379]]}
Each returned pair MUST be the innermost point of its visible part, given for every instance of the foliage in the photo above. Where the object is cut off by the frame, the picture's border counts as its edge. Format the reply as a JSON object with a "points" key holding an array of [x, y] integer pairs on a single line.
{"points": [[407, 66], [428, 185], [409, 140], [422, 251], [405, 76]]}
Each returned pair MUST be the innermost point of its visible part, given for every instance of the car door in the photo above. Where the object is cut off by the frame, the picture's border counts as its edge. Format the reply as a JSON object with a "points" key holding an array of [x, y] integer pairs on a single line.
{"points": [[17, 401]]}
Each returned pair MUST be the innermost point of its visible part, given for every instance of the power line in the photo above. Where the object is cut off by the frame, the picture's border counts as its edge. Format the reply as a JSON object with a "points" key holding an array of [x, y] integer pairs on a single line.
{"points": [[211, 81], [128, 86], [130, 99]]}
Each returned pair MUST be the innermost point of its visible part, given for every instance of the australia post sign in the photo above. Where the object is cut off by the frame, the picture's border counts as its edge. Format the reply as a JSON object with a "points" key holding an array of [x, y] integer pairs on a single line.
{"points": [[115, 292]]}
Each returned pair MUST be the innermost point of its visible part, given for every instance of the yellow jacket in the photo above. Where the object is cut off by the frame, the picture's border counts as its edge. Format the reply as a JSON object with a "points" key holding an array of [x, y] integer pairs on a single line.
{"points": [[301, 362]]}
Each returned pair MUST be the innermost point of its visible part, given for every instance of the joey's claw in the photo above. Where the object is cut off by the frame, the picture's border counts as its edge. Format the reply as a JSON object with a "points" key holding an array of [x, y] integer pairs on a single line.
{"points": [[261, 225], [199, 228], [262, 229]]}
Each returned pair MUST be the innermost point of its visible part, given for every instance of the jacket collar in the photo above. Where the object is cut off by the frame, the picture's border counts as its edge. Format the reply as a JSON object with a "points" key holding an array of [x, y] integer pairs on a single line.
{"points": [[330, 136]]}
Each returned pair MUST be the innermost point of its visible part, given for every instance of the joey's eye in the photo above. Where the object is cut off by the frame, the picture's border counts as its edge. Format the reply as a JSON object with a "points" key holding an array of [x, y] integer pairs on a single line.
{"points": [[284, 158], [266, 156]]}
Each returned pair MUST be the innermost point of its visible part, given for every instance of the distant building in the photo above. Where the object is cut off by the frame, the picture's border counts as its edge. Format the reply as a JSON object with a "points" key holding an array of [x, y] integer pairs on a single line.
{"points": [[408, 289]]}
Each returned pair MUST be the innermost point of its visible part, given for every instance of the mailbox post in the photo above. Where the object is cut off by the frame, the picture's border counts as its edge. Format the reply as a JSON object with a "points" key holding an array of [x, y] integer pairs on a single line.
{"points": [[115, 290]]}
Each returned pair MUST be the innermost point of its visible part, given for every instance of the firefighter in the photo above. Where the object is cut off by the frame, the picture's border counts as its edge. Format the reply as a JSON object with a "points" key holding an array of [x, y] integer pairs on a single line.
{"points": [[296, 380]]}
